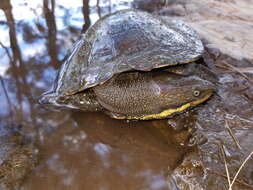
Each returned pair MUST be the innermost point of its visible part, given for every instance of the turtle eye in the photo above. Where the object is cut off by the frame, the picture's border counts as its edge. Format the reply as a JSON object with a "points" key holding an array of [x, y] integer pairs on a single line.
{"points": [[196, 93]]}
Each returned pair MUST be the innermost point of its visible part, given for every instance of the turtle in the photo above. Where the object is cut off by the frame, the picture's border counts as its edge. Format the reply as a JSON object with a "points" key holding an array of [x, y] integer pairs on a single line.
{"points": [[121, 65]]}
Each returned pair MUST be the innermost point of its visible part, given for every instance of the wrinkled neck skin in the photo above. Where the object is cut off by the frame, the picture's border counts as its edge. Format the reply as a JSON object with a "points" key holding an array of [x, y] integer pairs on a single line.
{"points": [[80, 101]]}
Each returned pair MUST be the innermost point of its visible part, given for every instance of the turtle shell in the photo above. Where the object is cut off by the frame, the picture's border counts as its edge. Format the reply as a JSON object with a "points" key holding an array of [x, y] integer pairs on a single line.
{"points": [[126, 40]]}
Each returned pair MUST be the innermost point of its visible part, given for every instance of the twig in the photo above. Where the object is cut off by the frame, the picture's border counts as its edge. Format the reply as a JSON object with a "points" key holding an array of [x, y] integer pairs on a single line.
{"points": [[238, 70], [245, 69], [237, 173], [225, 176], [6, 50], [225, 161], [224, 67], [232, 135], [166, 3], [7, 97], [241, 69]]}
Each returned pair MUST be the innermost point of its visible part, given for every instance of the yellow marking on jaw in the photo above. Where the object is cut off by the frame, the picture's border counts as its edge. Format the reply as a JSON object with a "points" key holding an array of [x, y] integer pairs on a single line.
{"points": [[167, 112]]}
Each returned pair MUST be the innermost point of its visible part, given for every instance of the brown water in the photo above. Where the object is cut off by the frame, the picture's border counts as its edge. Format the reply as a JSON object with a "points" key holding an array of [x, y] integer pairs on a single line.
{"points": [[101, 153], [92, 151], [77, 150]]}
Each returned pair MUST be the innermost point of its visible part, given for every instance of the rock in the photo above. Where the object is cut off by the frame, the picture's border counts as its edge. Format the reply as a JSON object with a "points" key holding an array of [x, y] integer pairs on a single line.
{"points": [[190, 174], [226, 25], [18, 156], [148, 5]]}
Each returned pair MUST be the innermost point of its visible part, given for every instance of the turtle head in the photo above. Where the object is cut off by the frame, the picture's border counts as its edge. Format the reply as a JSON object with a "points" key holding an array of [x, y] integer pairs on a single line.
{"points": [[183, 93], [49, 100], [85, 101]]}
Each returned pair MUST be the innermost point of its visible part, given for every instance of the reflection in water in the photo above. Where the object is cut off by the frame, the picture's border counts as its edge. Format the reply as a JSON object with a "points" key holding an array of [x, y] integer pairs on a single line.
{"points": [[9, 104], [17, 69], [108, 154], [78, 149], [98, 8], [51, 30], [86, 15]]}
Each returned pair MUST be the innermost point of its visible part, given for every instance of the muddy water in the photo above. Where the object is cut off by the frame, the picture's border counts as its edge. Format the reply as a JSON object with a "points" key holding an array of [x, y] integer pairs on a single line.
{"points": [[76, 150], [100, 153]]}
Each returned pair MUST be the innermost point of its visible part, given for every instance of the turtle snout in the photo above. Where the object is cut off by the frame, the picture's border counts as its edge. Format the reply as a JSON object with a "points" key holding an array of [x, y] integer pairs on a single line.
{"points": [[48, 98]]}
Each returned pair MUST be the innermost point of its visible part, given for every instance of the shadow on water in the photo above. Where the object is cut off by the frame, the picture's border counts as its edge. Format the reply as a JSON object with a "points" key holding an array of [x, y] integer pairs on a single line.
{"points": [[77, 149]]}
